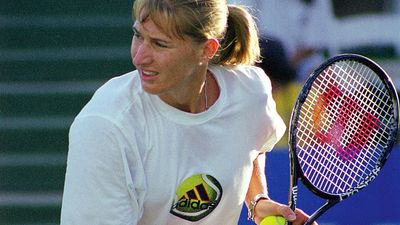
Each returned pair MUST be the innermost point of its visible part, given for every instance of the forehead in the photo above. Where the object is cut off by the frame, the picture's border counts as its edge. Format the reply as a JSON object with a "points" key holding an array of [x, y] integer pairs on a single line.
{"points": [[164, 20], [151, 29]]}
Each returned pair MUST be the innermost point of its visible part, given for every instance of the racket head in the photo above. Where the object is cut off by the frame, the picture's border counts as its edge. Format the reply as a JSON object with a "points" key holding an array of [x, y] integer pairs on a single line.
{"points": [[343, 126]]}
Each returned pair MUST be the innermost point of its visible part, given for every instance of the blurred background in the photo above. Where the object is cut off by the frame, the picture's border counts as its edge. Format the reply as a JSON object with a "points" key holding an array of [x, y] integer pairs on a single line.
{"points": [[55, 54]]}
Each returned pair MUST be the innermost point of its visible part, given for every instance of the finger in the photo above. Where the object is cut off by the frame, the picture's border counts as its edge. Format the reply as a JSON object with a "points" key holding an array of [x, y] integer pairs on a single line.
{"points": [[286, 212]]}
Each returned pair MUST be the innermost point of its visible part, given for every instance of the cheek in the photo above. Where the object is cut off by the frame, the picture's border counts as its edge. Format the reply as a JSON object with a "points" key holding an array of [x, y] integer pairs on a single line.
{"points": [[186, 59], [133, 50]]}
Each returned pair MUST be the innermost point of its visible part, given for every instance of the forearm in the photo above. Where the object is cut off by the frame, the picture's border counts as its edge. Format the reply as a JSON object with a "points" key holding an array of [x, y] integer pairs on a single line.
{"points": [[258, 182], [267, 207]]}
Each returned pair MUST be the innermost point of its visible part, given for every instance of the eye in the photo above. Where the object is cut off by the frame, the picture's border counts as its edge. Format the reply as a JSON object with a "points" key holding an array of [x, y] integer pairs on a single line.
{"points": [[136, 34], [161, 44]]}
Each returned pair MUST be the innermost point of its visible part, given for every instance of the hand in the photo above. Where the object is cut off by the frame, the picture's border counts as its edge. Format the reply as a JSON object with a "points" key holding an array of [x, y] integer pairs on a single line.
{"points": [[269, 207]]}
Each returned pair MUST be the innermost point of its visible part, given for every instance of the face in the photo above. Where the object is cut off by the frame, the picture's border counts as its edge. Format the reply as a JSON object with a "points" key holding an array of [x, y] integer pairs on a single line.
{"points": [[167, 65]]}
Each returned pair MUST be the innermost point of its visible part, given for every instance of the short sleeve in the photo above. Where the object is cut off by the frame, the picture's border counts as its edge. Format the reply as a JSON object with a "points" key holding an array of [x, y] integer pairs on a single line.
{"points": [[275, 124], [100, 186]]}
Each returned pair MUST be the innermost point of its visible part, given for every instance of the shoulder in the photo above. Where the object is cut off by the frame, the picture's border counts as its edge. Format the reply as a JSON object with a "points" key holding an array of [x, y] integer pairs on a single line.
{"points": [[120, 87], [252, 77], [118, 105], [247, 72], [114, 97]]}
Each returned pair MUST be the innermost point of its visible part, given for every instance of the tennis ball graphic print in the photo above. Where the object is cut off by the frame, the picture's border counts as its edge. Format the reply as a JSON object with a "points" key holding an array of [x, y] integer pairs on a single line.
{"points": [[196, 197]]}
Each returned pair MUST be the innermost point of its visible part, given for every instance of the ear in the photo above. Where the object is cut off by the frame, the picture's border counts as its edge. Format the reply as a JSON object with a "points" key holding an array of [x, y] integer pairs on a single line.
{"points": [[210, 48]]}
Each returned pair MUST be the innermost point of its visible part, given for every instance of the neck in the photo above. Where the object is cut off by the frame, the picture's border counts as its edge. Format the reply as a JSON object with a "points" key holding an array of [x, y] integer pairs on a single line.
{"points": [[194, 98]]}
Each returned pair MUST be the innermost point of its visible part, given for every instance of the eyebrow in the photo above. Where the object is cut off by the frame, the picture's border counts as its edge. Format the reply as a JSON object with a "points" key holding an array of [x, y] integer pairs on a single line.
{"points": [[153, 39]]}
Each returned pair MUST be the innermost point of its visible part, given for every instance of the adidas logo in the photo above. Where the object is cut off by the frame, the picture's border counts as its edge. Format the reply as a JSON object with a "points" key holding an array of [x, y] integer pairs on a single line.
{"points": [[196, 197]]}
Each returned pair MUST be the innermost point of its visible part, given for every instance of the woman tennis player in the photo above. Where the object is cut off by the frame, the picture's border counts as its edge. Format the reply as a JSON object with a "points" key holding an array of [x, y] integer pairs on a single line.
{"points": [[182, 139]]}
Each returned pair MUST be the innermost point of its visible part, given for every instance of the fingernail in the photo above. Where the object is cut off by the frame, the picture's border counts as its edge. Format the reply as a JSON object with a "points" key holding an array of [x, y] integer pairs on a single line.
{"points": [[291, 217]]}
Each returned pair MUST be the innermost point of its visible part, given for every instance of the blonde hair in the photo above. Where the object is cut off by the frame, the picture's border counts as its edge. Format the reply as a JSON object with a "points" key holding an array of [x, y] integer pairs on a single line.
{"points": [[200, 20]]}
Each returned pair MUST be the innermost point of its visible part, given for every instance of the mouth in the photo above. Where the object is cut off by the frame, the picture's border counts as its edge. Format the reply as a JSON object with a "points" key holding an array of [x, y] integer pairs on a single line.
{"points": [[147, 74]]}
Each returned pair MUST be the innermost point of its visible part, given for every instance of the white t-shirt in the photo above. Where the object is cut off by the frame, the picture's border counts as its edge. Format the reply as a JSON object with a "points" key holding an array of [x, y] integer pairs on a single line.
{"points": [[133, 159]]}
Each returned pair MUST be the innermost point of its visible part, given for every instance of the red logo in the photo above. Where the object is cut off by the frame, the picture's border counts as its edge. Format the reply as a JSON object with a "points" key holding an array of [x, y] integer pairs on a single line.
{"points": [[333, 103]]}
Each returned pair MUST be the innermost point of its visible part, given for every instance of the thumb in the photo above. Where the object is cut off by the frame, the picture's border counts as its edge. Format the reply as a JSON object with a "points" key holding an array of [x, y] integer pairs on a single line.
{"points": [[286, 212]]}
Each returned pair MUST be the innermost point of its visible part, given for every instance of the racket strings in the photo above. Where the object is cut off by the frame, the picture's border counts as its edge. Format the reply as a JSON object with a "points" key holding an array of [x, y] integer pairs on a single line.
{"points": [[338, 139]]}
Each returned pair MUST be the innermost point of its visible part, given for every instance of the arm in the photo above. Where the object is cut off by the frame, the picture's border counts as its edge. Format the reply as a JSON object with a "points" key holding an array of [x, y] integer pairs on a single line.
{"points": [[96, 190], [268, 207], [258, 182]]}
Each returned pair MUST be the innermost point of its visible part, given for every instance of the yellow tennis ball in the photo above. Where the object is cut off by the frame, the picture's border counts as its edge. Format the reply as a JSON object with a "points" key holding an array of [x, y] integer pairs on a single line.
{"points": [[273, 220]]}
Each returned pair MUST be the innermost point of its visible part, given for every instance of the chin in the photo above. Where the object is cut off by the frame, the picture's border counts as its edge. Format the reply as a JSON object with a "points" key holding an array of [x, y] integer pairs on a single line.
{"points": [[151, 90]]}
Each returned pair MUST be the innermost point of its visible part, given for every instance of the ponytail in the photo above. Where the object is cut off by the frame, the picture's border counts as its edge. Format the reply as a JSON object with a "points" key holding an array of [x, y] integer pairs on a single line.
{"points": [[240, 44]]}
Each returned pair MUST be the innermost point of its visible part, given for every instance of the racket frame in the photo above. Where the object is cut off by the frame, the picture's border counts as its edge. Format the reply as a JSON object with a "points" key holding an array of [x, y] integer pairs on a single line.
{"points": [[296, 172]]}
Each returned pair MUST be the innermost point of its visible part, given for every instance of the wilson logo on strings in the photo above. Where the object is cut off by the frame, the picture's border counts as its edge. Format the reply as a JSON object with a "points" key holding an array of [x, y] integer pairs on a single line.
{"points": [[334, 100]]}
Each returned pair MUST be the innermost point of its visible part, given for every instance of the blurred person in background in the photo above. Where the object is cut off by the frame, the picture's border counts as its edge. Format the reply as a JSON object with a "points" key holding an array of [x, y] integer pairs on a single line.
{"points": [[292, 26]]}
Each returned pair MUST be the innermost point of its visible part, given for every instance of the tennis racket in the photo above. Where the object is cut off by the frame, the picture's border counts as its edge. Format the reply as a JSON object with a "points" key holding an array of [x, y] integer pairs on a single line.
{"points": [[342, 129]]}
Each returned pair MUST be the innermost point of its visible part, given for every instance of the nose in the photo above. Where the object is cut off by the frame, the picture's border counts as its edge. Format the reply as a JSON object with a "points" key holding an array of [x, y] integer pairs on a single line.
{"points": [[141, 54]]}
